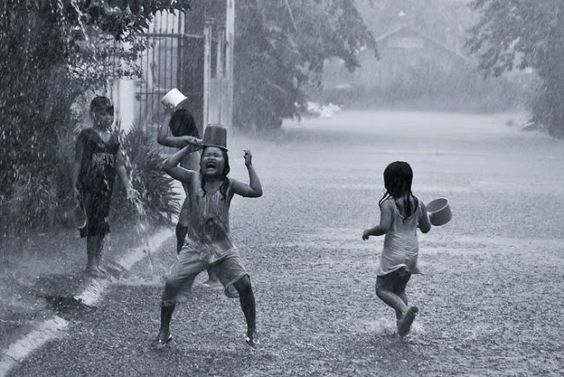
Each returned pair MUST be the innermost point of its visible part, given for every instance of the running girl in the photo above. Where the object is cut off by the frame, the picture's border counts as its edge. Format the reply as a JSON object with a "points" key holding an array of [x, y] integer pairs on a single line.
{"points": [[401, 213]]}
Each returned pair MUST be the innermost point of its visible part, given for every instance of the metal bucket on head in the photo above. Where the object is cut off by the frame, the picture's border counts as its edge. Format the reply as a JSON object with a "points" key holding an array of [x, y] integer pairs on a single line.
{"points": [[174, 99], [439, 212]]}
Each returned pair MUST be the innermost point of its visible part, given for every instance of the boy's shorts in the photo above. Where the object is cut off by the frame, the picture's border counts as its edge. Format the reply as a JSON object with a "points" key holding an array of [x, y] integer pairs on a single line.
{"points": [[97, 208], [229, 269]]}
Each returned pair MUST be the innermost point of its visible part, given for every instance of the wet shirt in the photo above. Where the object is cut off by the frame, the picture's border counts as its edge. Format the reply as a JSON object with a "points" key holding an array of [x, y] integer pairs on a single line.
{"points": [[208, 224], [401, 247], [98, 164]]}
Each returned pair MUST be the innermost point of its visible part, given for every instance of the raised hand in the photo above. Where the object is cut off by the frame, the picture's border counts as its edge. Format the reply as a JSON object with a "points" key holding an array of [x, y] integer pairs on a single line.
{"points": [[248, 157]]}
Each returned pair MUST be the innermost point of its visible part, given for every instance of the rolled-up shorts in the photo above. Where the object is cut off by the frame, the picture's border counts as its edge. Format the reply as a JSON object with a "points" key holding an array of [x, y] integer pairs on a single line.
{"points": [[97, 208], [191, 261]]}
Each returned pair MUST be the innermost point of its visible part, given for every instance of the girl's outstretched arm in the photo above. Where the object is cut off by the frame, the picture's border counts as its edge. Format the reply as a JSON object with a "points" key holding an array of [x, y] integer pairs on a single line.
{"points": [[177, 172], [424, 223], [254, 188], [385, 222]]}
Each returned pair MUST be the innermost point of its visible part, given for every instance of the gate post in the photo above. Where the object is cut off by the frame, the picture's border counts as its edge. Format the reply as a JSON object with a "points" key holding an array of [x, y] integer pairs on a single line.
{"points": [[207, 68], [229, 53]]}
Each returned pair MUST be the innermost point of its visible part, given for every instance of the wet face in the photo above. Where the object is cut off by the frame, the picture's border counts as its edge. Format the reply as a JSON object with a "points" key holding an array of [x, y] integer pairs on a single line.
{"points": [[103, 117], [212, 162]]}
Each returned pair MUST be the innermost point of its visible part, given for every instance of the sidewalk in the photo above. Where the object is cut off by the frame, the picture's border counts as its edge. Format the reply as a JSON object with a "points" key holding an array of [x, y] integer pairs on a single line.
{"points": [[40, 274]]}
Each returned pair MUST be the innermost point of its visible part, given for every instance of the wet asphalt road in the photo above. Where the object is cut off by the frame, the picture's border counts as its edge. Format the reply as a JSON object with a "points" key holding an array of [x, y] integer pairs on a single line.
{"points": [[490, 297]]}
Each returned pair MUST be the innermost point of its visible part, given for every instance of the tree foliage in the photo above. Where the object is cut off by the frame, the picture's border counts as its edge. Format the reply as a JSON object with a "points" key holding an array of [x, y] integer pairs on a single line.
{"points": [[281, 44], [518, 34], [53, 52]]}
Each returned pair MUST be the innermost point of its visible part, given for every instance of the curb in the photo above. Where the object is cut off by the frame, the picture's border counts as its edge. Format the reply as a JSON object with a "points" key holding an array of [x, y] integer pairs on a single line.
{"points": [[55, 326]]}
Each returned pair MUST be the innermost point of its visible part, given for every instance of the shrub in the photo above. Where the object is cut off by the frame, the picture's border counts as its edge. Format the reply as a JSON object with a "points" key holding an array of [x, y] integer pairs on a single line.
{"points": [[144, 165]]}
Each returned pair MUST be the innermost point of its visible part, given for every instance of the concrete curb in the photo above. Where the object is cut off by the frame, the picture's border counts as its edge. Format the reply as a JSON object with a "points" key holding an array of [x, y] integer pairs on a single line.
{"points": [[54, 327]]}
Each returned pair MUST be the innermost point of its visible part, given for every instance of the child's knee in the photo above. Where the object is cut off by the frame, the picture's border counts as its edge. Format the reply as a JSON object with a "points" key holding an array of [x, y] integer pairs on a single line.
{"points": [[171, 284], [243, 285], [380, 290]]}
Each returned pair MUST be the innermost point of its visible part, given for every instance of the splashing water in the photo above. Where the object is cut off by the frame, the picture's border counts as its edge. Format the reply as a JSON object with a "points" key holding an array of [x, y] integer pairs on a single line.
{"points": [[80, 23], [142, 221]]}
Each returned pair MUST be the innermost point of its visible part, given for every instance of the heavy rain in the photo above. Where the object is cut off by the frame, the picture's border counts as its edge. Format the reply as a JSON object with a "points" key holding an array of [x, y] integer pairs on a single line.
{"points": [[281, 188]]}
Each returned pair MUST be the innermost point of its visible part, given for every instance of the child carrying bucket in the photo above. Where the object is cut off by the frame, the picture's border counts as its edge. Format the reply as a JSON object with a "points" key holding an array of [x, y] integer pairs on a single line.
{"points": [[401, 213], [182, 126], [209, 243]]}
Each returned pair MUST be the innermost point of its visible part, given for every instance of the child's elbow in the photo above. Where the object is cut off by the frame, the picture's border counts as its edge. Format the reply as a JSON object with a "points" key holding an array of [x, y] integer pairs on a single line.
{"points": [[425, 228]]}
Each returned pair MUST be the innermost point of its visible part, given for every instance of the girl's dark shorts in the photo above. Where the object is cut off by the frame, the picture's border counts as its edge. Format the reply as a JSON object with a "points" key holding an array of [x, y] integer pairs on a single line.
{"points": [[97, 208]]}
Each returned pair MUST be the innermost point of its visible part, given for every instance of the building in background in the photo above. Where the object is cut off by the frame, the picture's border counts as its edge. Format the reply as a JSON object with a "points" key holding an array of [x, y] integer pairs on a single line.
{"points": [[416, 71], [410, 64]]}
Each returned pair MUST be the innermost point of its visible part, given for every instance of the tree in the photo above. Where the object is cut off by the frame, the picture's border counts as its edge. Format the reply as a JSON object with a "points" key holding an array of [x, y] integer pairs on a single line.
{"points": [[53, 51], [518, 34], [280, 45]]}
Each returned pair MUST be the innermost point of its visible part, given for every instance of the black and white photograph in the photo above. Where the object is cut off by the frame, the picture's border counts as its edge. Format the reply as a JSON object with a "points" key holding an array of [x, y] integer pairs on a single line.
{"points": [[256, 188]]}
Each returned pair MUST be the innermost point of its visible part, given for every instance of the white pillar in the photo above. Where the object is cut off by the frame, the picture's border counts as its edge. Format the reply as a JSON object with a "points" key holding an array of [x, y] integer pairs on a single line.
{"points": [[207, 70], [229, 59]]}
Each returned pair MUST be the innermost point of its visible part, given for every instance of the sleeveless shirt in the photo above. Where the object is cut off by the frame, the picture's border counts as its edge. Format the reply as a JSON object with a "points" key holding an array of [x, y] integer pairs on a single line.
{"points": [[401, 247], [208, 223]]}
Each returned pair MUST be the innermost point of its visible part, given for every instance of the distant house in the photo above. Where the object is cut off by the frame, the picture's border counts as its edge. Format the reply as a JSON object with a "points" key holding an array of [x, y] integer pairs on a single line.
{"points": [[411, 64]]}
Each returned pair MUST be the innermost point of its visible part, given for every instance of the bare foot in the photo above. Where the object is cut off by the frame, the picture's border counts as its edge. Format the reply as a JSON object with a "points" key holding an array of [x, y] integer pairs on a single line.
{"points": [[162, 339], [252, 338], [404, 323]]}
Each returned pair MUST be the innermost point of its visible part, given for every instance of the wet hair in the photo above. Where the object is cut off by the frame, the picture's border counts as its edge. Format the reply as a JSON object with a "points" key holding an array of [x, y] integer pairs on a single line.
{"points": [[225, 180], [397, 181], [182, 124], [100, 102]]}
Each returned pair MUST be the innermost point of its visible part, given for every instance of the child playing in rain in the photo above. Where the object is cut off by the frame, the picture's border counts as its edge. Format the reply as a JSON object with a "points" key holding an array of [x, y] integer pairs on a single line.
{"points": [[209, 244], [97, 158], [401, 213], [184, 133]]}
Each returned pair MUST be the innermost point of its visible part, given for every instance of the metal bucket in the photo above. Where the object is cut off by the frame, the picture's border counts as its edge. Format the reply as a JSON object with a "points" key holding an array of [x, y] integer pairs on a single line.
{"points": [[74, 217], [439, 211]]}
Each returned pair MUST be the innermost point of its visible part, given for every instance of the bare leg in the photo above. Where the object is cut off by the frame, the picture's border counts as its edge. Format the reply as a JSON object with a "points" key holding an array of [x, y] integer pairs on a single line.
{"points": [[182, 225], [403, 297], [166, 316], [212, 279], [90, 254], [247, 300], [181, 277], [94, 245], [398, 281], [100, 254], [391, 299]]}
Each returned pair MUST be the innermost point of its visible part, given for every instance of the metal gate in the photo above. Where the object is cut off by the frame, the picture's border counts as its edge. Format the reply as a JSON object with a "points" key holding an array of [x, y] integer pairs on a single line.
{"points": [[190, 51], [162, 67]]}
